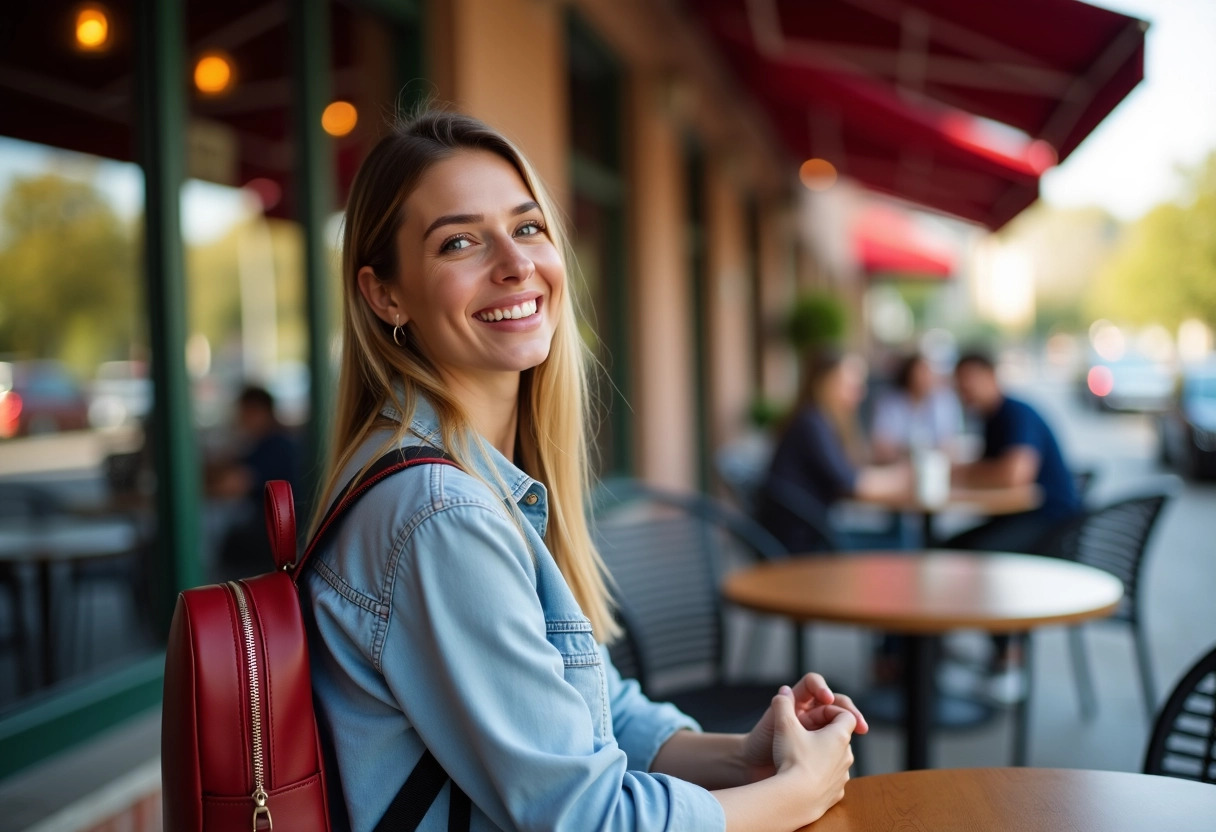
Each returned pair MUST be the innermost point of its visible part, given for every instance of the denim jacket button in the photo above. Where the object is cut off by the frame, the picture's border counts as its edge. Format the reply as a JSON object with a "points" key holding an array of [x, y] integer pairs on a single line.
{"points": [[531, 499]]}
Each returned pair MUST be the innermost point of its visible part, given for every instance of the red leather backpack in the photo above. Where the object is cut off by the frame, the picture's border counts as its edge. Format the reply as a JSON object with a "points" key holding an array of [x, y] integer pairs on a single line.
{"points": [[239, 738]]}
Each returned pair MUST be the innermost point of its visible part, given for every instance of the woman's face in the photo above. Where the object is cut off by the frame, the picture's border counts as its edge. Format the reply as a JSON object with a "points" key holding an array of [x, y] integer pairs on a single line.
{"points": [[478, 278], [844, 386], [920, 379]]}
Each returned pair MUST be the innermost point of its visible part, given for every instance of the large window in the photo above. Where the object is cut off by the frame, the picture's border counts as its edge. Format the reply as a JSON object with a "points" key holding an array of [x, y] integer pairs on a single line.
{"points": [[79, 552], [90, 559]]}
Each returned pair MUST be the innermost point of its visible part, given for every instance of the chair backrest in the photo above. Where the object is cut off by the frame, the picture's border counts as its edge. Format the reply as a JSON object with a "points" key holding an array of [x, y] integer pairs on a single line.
{"points": [[1083, 481], [1113, 538], [665, 553], [1183, 742]]}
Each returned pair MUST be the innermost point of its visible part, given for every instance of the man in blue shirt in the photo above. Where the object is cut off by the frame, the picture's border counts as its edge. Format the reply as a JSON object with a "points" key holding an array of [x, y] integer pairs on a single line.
{"points": [[1019, 449]]}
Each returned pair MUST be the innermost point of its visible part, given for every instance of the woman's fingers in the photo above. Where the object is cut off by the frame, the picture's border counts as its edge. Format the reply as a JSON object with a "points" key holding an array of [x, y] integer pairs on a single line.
{"points": [[812, 688], [847, 703]]}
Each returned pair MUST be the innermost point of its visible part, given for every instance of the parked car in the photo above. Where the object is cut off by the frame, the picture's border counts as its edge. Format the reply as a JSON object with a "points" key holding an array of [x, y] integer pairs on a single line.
{"points": [[121, 394], [1187, 430], [1132, 383], [39, 397]]}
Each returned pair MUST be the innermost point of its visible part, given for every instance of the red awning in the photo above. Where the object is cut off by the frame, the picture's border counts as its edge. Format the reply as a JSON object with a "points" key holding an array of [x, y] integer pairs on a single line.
{"points": [[887, 242], [890, 88]]}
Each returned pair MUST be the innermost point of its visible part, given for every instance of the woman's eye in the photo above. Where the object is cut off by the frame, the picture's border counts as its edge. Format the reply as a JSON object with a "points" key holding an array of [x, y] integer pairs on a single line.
{"points": [[529, 229], [455, 244]]}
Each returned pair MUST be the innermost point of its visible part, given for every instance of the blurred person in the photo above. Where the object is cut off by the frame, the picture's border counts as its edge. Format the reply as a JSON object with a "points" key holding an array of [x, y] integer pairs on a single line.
{"points": [[819, 456], [1020, 449], [266, 451], [461, 612], [918, 413]]}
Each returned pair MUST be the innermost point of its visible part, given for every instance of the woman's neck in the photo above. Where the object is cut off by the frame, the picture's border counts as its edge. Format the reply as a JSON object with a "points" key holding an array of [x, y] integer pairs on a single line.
{"points": [[492, 404]]}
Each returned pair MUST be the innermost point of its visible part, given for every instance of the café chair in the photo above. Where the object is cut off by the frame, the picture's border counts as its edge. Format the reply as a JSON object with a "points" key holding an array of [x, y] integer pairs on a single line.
{"points": [[1113, 538], [665, 553], [1183, 742]]}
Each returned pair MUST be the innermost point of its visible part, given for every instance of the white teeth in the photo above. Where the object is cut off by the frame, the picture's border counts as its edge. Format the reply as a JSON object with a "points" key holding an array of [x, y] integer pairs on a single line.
{"points": [[520, 310]]}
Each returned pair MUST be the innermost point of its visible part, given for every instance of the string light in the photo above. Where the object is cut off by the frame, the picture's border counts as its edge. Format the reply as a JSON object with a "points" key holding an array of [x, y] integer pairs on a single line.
{"points": [[339, 118], [92, 29], [213, 73]]}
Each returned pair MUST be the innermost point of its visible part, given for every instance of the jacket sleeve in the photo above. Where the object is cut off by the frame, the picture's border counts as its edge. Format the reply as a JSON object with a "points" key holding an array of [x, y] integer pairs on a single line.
{"points": [[465, 653], [640, 725]]}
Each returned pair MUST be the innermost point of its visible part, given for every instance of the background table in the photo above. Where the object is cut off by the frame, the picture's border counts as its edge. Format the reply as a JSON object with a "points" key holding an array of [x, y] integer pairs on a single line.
{"points": [[923, 595], [1021, 800], [46, 543], [988, 502]]}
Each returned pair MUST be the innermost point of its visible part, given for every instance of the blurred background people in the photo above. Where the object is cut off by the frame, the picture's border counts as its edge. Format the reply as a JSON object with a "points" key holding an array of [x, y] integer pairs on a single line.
{"points": [[1019, 449], [820, 456], [919, 412], [263, 450]]}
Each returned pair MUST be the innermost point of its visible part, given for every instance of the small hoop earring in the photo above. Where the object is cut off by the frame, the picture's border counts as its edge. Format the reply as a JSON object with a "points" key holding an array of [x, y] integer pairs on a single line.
{"points": [[397, 331]]}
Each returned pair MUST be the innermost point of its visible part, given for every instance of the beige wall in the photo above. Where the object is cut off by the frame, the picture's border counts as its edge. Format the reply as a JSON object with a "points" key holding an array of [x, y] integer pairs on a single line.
{"points": [[504, 62], [660, 324], [728, 305], [777, 291]]}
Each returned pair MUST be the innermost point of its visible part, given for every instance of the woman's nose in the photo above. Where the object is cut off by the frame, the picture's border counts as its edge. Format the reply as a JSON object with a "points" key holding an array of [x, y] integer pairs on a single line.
{"points": [[512, 263]]}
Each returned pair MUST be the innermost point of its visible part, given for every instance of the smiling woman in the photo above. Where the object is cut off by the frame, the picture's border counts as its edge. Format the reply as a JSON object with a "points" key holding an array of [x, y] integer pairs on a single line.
{"points": [[457, 618]]}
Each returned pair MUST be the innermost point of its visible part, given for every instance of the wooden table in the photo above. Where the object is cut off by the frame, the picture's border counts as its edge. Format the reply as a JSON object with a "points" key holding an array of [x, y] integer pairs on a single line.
{"points": [[923, 595], [989, 502], [1021, 800]]}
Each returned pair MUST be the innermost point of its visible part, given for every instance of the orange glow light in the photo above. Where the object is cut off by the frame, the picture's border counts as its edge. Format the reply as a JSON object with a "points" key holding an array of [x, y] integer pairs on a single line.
{"points": [[817, 174], [92, 29], [339, 118], [213, 74]]}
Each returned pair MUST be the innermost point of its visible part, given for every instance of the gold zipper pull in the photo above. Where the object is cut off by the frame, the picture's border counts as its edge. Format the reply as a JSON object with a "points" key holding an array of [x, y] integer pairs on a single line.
{"points": [[260, 809]]}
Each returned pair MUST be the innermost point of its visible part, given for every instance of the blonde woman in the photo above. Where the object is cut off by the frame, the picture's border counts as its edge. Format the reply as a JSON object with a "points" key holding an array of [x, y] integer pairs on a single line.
{"points": [[459, 613]]}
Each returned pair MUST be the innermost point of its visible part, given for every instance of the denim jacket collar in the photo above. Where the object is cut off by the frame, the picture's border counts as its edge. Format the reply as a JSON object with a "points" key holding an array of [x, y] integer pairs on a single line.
{"points": [[528, 494]]}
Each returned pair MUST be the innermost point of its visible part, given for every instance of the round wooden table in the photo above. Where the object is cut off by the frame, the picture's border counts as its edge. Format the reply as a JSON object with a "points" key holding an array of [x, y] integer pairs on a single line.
{"points": [[924, 594], [1021, 800], [988, 502]]}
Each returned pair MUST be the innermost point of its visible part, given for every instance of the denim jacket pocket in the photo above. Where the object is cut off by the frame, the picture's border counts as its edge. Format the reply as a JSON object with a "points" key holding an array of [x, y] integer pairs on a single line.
{"points": [[583, 668]]}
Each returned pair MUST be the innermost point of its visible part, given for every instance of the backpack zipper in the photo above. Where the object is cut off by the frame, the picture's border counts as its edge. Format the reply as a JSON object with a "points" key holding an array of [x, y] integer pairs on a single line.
{"points": [[260, 809]]}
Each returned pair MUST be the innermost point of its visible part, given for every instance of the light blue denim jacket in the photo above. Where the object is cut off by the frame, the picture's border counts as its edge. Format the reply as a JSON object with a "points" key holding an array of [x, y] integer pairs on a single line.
{"points": [[432, 622]]}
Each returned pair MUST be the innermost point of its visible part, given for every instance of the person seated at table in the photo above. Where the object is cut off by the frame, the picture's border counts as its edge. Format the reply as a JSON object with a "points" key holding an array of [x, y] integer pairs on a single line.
{"points": [[1020, 449], [818, 459], [266, 451], [918, 413]]}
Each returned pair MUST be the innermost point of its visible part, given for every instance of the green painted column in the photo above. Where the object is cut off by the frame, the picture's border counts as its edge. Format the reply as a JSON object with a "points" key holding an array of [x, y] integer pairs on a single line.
{"points": [[314, 182], [161, 119]]}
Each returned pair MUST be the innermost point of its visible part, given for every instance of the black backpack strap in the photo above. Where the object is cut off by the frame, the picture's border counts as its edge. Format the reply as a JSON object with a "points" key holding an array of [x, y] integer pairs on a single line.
{"points": [[427, 779], [421, 788], [384, 467]]}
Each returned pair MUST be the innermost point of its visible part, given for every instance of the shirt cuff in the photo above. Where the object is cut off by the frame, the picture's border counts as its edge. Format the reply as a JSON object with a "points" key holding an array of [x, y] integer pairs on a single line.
{"points": [[648, 734], [693, 809]]}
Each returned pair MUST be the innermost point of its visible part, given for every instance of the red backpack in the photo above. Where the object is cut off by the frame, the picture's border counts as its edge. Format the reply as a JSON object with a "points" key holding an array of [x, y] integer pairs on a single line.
{"points": [[239, 738]]}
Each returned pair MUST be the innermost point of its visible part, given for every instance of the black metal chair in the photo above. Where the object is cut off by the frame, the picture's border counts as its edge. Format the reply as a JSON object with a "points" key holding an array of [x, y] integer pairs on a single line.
{"points": [[665, 553], [1115, 539], [1183, 742]]}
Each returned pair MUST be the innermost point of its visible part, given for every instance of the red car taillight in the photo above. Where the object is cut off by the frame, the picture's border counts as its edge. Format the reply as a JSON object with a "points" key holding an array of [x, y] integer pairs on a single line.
{"points": [[10, 414]]}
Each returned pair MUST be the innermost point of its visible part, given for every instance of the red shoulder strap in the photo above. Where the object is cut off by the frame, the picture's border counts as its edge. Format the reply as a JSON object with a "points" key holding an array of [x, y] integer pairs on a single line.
{"points": [[384, 467], [281, 512]]}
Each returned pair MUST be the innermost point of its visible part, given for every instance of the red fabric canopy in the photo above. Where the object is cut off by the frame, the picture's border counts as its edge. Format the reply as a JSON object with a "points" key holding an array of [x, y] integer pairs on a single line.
{"points": [[887, 89], [888, 242]]}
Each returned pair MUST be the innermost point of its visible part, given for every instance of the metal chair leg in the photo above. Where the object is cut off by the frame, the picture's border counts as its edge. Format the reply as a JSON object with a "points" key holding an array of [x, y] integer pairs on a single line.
{"points": [[1081, 673], [1021, 711], [1146, 671]]}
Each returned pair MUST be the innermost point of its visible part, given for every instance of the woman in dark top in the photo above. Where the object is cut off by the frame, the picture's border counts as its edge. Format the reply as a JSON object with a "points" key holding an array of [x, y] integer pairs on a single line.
{"points": [[818, 460]]}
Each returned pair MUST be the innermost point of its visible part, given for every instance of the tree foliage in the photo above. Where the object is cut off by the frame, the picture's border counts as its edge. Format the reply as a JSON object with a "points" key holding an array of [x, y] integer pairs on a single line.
{"points": [[1165, 270], [69, 277]]}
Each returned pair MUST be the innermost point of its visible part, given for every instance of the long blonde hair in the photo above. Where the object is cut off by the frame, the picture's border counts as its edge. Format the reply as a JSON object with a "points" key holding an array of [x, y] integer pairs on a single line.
{"points": [[553, 402]]}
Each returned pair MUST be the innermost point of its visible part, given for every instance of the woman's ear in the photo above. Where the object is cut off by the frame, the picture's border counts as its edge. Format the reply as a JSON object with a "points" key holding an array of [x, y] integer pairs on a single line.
{"points": [[381, 298]]}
